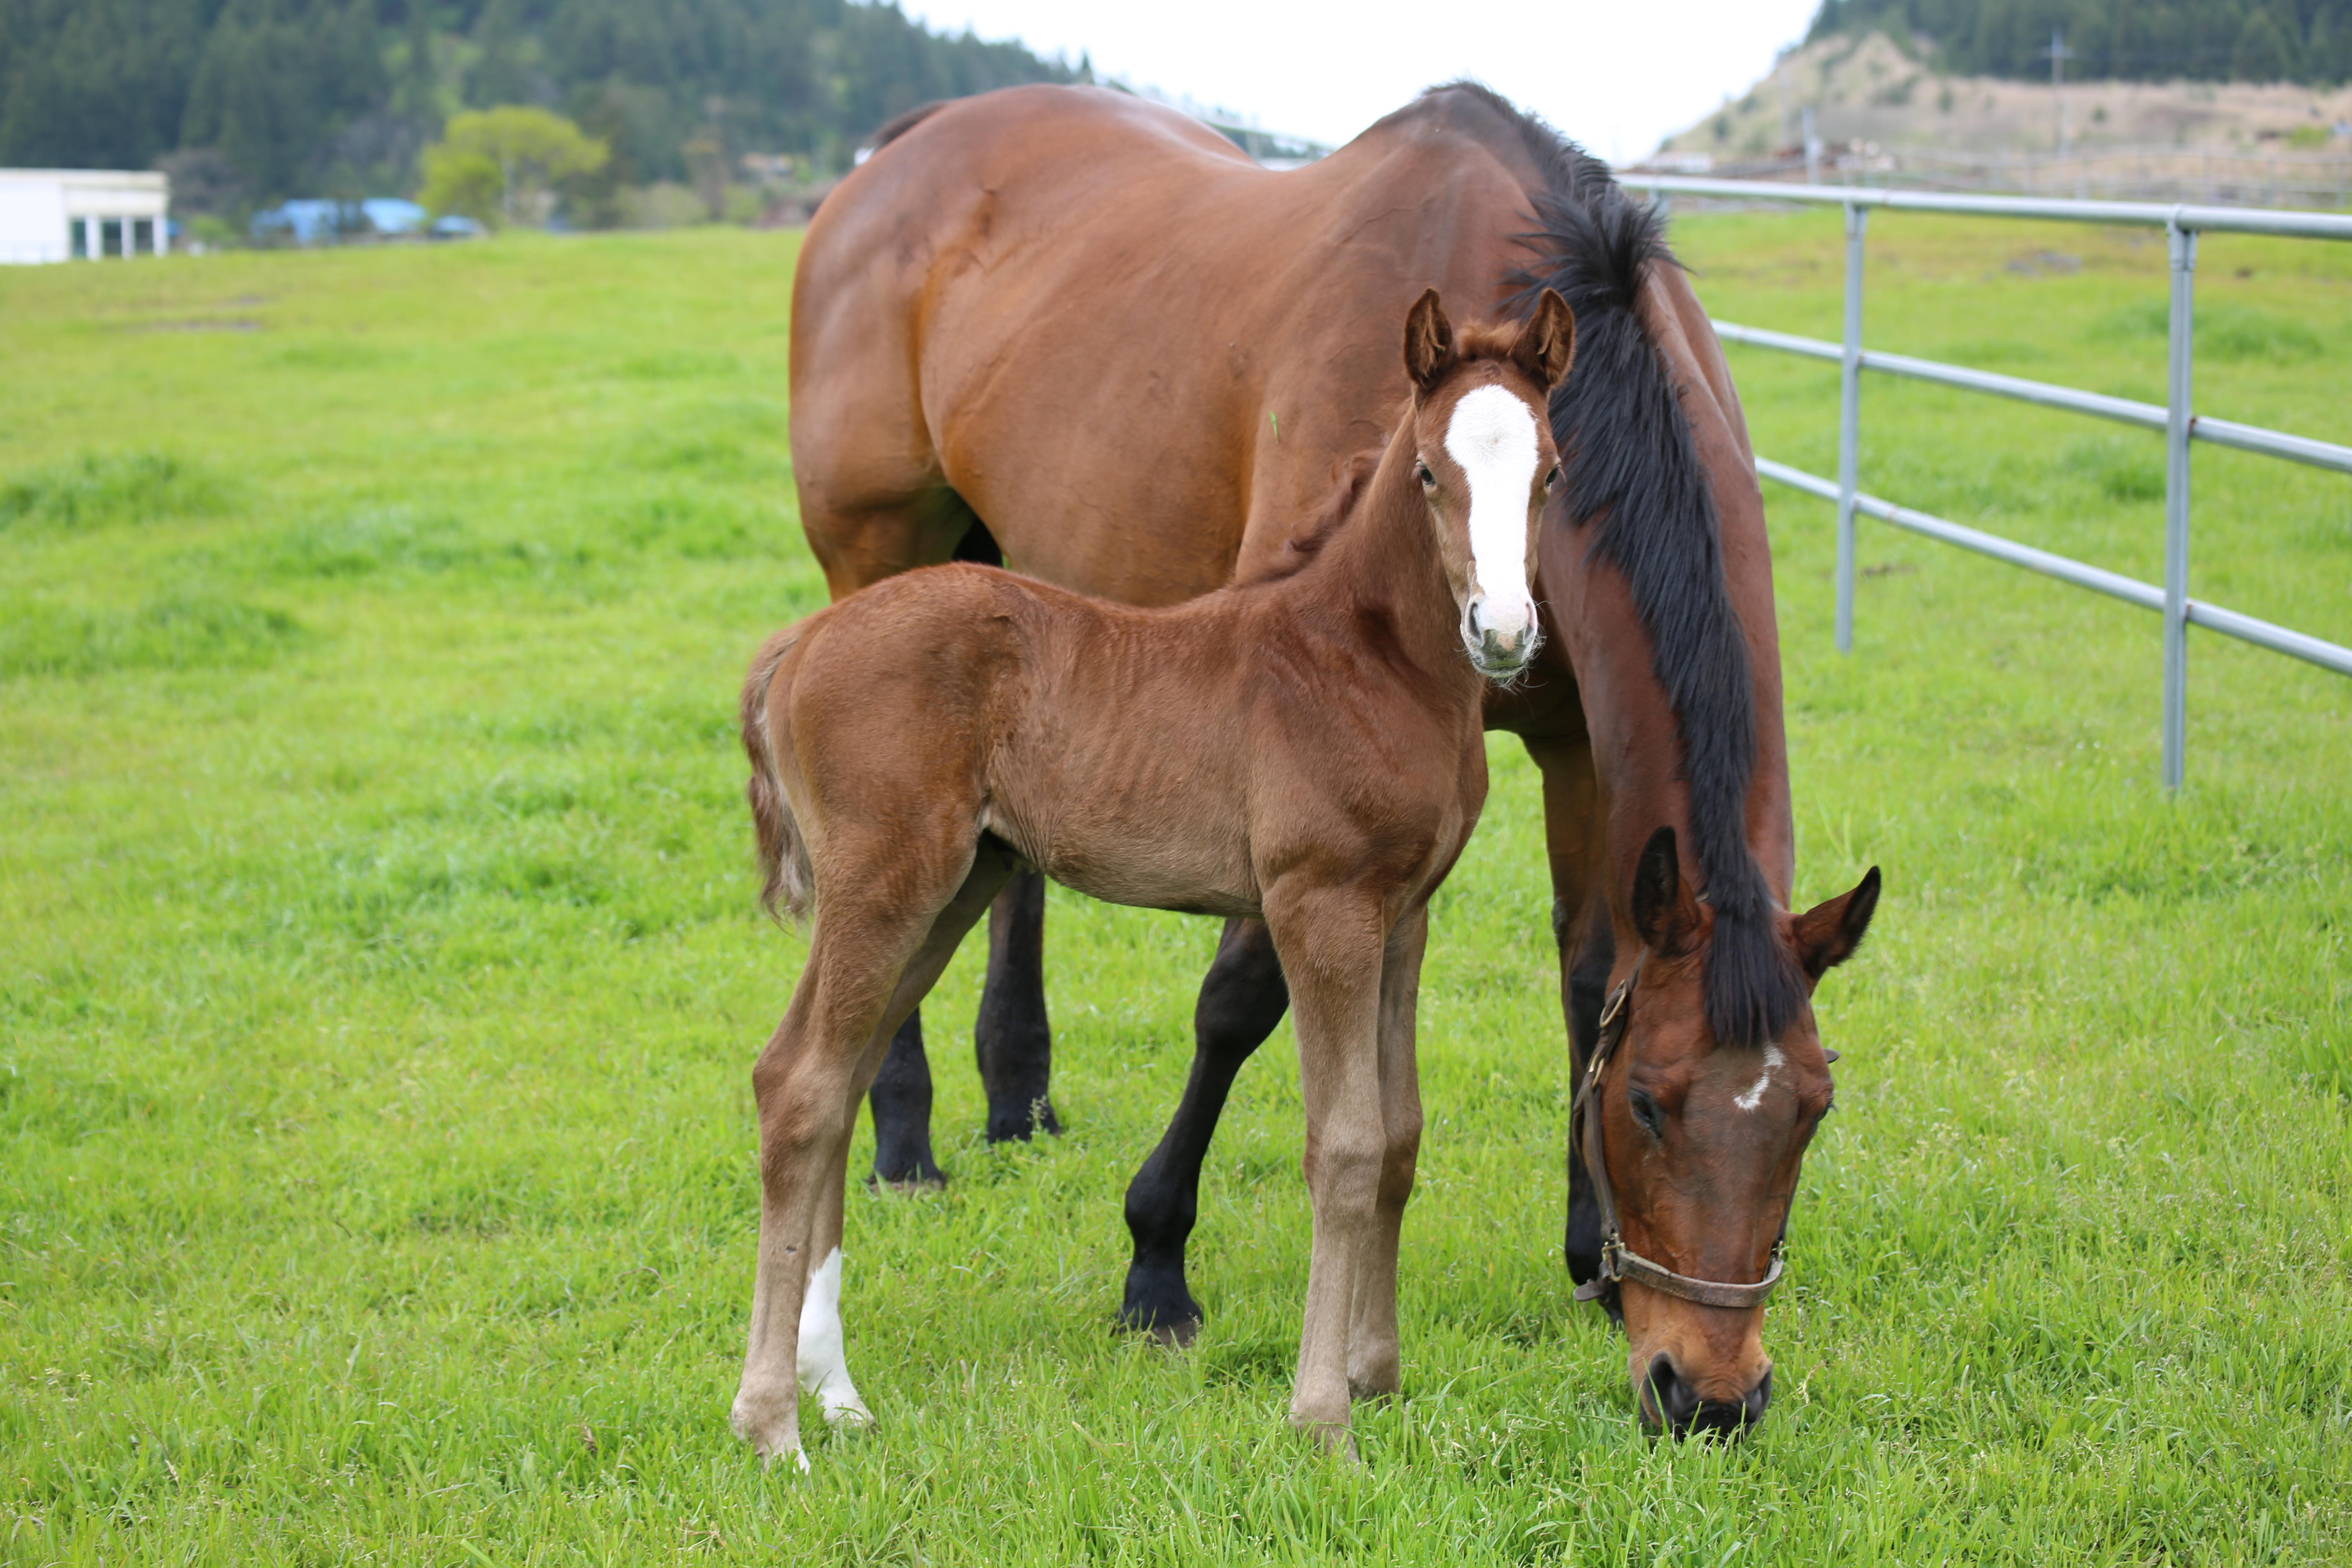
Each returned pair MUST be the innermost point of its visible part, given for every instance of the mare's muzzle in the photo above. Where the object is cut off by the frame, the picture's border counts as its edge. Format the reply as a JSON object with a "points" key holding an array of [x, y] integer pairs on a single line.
{"points": [[1669, 1403], [1501, 639]]}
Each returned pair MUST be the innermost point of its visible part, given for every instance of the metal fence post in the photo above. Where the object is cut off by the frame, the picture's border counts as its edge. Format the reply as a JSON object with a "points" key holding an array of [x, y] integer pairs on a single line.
{"points": [[1849, 423], [2180, 362]]}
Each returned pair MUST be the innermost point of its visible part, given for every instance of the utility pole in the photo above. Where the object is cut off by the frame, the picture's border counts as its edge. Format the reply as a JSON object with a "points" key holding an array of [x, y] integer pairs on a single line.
{"points": [[2059, 55]]}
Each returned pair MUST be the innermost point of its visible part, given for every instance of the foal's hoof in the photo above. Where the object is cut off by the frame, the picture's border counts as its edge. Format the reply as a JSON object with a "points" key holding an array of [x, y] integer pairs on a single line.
{"points": [[1333, 1436], [909, 1188], [770, 1423], [849, 1415]]}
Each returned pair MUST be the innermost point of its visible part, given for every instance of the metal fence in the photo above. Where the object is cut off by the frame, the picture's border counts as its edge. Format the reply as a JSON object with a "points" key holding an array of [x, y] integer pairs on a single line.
{"points": [[2180, 426]]}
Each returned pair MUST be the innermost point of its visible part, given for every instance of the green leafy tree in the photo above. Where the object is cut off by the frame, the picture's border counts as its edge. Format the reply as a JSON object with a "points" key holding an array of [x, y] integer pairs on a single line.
{"points": [[503, 166]]}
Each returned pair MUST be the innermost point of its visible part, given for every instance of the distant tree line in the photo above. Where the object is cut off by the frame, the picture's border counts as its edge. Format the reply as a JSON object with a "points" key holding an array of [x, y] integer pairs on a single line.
{"points": [[248, 100], [2307, 41]]}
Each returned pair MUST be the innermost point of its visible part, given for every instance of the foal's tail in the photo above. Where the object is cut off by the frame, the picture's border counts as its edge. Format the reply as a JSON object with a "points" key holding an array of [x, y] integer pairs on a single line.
{"points": [[789, 879]]}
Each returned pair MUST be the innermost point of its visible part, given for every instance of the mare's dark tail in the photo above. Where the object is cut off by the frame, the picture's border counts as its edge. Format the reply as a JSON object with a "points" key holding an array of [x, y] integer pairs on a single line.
{"points": [[788, 880]]}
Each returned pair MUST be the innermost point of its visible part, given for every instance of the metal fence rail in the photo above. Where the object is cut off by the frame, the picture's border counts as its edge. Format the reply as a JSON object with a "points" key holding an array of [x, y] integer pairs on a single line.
{"points": [[2179, 424]]}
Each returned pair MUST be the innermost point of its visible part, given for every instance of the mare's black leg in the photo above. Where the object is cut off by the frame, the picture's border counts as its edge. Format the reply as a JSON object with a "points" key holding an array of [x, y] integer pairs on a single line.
{"points": [[901, 1099], [1241, 999], [901, 1096], [1588, 989], [1011, 1037]]}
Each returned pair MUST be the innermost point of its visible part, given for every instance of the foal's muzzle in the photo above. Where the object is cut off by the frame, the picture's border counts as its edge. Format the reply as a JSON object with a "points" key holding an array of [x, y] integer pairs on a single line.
{"points": [[1501, 640]]}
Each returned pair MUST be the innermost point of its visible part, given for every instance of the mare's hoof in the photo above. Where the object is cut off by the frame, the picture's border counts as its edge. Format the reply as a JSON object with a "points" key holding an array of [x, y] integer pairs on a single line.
{"points": [[907, 1185], [1019, 1123], [1178, 1335], [1173, 1326]]}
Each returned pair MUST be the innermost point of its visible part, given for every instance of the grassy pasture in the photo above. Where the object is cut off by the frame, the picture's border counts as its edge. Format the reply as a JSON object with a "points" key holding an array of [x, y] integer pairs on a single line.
{"points": [[379, 977]]}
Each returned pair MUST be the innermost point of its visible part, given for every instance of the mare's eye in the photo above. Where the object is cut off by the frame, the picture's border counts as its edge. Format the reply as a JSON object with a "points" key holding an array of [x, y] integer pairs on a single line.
{"points": [[1646, 1111], [1550, 480], [1428, 479]]}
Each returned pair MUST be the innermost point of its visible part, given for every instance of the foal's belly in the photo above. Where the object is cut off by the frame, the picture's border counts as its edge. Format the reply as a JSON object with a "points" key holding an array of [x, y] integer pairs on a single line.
{"points": [[1138, 841]]}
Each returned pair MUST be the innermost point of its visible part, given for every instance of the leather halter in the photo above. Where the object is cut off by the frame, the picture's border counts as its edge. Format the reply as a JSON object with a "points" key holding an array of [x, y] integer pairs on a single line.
{"points": [[1617, 1261]]}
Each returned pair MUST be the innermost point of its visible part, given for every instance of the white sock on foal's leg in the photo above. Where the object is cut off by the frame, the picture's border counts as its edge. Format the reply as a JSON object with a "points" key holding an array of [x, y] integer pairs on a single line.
{"points": [[823, 1364]]}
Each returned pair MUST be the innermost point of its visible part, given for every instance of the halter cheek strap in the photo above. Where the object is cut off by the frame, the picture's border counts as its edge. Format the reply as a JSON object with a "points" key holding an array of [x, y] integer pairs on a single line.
{"points": [[1617, 1261]]}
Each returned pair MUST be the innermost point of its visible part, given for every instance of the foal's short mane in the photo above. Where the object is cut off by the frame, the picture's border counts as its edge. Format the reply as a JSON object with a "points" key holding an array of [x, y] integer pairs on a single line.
{"points": [[1471, 342], [1635, 481]]}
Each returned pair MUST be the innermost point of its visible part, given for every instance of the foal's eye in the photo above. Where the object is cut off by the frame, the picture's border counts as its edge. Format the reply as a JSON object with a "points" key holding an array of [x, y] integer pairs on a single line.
{"points": [[1550, 480], [1428, 479], [1646, 1111]]}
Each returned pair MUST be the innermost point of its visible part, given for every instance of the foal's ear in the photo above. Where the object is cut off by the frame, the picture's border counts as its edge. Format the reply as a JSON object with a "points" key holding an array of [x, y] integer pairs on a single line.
{"points": [[1428, 341], [1828, 933], [1663, 910], [1547, 344]]}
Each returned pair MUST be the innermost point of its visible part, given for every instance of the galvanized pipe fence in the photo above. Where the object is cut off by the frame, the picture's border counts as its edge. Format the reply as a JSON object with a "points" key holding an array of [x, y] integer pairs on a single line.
{"points": [[2182, 224]]}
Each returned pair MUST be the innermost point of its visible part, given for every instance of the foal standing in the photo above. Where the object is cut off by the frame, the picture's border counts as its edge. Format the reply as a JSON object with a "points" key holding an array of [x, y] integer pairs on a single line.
{"points": [[1309, 750]]}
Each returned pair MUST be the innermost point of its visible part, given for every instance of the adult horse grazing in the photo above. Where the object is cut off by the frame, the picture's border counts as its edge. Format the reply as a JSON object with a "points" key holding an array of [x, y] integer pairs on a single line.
{"points": [[1303, 750], [1086, 332]]}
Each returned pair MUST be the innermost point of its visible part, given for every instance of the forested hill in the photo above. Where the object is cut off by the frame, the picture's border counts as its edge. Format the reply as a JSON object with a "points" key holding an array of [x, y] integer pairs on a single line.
{"points": [[2306, 41], [264, 99]]}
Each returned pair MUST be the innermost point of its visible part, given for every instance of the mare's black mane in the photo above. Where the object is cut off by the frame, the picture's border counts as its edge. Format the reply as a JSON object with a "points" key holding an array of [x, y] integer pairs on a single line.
{"points": [[1635, 481]]}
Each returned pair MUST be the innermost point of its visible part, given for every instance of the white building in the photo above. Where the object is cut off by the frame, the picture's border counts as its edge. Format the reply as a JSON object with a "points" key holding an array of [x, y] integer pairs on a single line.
{"points": [[62, 215]]}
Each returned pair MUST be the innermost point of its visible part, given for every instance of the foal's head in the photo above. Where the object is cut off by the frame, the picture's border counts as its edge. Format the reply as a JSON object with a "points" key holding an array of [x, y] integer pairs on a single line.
{"points": [[1485, 459], [1701, 1140]]}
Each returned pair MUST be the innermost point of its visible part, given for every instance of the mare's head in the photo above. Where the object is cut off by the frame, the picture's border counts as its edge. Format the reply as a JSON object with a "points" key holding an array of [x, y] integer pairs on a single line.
{"points": [[1484, 460], [1698, 1141]]}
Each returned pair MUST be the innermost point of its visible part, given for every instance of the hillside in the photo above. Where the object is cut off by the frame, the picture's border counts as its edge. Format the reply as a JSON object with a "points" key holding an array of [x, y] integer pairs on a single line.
{"points": [[1884, 113], [248, 100], [2306, 41]]}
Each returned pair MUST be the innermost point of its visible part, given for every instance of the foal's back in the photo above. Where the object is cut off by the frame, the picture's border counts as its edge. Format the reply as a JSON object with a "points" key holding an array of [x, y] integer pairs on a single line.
{"points": [[1140, 757]]}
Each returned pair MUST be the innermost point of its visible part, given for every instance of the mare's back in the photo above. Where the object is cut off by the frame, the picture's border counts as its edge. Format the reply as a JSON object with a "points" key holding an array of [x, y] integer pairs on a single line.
{"points": [[1137, 354]]}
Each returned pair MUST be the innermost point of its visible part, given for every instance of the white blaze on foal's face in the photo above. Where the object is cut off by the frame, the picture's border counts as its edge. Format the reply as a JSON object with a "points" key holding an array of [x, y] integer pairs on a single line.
{"points": [[1493, 436]]}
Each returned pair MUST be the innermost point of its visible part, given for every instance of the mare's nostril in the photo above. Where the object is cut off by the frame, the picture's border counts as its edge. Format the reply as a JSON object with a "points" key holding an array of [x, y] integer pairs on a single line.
{"points": [[1758, 1399], [1673, 1400]]}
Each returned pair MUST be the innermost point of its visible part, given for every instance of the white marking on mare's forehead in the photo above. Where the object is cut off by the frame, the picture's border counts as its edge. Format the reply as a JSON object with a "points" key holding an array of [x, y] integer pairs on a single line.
{"points": [[1493, 436], [1755, 1095]]}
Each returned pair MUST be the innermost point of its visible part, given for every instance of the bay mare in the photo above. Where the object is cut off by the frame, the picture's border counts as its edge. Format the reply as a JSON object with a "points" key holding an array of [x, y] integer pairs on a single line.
{"points": [[1306, 752], [1084, 333]]}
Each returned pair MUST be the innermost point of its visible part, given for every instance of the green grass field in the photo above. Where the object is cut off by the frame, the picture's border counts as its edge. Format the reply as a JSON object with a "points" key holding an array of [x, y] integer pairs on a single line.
{"points": [[379, 976]]}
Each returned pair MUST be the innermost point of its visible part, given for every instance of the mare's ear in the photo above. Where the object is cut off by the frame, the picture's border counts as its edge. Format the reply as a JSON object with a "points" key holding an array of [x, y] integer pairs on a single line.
{"points": [[1663, 910], [1828, 933], [1428, 341], [1547, 344]]}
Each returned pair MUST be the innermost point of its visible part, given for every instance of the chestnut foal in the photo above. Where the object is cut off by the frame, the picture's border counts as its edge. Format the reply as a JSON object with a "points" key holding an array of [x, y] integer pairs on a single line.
{"points": [[1307, 749]]}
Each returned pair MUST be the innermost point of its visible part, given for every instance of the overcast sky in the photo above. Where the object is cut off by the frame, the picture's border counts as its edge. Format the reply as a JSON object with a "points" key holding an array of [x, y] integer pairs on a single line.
{"points": [[1618, 77]]}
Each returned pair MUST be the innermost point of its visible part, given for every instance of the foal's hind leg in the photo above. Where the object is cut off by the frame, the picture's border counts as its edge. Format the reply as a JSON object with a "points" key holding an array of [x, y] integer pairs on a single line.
{"points": [[1241, 999], [868, 969]]}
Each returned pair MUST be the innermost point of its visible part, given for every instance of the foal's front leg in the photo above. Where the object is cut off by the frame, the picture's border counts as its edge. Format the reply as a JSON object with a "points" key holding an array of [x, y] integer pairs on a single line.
{"points": [[1375, 1361], [1331, 944]]}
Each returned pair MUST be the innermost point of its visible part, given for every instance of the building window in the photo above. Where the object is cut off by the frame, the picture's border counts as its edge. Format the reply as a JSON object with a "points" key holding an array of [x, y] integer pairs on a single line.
{"points": [[78, 228], [142, 235], [109, 242]]}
